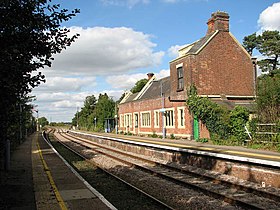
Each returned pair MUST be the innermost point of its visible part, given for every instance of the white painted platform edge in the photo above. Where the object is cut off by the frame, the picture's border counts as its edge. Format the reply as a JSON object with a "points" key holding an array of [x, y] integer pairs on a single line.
{"points": [[93, 190], [225, 156]]}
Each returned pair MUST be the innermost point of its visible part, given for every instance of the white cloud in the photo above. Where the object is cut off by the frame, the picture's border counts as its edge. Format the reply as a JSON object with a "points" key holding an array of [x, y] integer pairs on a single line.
{"points": [[269, 19], [103, 51], [173, 50], [163, 73], [78, 71], [59, 84], [127, 81], [124, 81]]}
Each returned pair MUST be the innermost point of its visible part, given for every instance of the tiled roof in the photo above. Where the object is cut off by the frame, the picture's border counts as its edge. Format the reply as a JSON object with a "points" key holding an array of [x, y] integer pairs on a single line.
{"points": [[249, 104], [200, 43], [131, 97], [154, 91]]}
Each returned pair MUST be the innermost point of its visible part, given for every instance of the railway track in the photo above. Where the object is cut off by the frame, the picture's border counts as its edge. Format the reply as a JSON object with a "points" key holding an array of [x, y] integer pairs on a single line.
{"points": [[104, 175], [246, 196]]}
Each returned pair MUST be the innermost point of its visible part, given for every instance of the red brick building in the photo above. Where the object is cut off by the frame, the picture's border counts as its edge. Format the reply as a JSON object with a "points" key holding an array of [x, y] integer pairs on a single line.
{"points": [[217, 64]]}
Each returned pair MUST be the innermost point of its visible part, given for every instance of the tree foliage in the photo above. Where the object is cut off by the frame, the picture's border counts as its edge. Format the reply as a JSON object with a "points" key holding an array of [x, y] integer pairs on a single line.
{"points": [[268, 44], [31, 33], [268, 85], [139, 85], [95, 111], [220, 122], [268, 100], [250, 43], [43, 121]]}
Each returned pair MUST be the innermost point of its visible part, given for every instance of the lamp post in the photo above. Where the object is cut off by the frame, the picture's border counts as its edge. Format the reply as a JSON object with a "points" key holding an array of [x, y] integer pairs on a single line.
{"points": [[95, 123], [78, 118]]}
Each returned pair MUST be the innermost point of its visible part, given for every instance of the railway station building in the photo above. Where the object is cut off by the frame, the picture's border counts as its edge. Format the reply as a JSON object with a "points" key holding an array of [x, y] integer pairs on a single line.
{"points": [[219, 67]]}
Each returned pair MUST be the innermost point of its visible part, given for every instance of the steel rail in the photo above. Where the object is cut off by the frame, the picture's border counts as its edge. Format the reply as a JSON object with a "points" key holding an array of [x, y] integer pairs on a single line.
{"points": [[227, 198], [110, 174]]}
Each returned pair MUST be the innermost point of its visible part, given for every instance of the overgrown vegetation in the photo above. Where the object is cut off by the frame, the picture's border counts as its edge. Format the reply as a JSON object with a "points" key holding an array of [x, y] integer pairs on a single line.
{"points": [[266, 127], [222, 123]]}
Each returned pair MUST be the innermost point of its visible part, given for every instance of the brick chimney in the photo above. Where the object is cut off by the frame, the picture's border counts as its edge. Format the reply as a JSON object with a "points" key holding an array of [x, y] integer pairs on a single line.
{"points": [[150, 75], [218, 21]]}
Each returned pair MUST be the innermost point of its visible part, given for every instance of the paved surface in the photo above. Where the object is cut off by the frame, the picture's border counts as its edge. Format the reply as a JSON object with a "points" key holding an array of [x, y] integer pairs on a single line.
{"points": [[39, 179], [16, 186], [238, 152]]}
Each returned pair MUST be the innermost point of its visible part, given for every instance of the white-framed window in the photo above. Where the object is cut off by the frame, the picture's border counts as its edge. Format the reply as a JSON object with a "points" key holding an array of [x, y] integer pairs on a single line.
{"points": [[169, 118], [181, 117], [127, 120], [180, 78], [136, 120], [145, 119], [156, 118], [121, 120]]}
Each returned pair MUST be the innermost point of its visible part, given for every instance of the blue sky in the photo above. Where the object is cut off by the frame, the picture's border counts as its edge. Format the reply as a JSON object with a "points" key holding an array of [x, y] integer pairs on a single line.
{"points": [[122, 40]]}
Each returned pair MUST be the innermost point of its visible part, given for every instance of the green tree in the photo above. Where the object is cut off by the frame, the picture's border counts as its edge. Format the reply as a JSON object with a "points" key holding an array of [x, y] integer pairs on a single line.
{"points": [[268, 100], [43, 121], [84, 117], [250, 43], [105, 108], [30, 34], [101, 109], [268, 44], [139, 85], [268, 86]]}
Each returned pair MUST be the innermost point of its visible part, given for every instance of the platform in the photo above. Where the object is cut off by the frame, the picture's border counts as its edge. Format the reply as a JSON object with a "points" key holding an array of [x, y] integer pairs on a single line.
{"points": [[39, 179], [238, 153]]}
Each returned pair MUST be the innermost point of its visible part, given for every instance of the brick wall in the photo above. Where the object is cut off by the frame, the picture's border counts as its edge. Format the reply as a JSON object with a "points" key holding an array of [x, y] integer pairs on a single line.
{"points": [[156, 104], [222, 67]]}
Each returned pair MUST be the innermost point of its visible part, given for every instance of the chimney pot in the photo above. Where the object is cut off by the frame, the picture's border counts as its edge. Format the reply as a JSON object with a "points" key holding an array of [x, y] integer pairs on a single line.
{"points": [[150, 75], [219, 21]]}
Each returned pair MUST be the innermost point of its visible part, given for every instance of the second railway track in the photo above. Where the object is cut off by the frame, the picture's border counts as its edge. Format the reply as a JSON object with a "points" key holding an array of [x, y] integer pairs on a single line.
{"points": [[236, 195], [120, 193]]}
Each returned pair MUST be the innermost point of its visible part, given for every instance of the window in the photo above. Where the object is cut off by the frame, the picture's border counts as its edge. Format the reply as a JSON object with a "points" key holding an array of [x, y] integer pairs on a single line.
{"points": [[146, 119], [121, 120], [127, 120], [156, 119], [136, 120], [169, 120], [180, 77], [181, 117]]}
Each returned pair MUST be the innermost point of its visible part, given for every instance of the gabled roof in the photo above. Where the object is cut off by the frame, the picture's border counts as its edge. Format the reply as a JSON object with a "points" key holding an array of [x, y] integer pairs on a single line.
{"points": [[151, 90], [154, 90], [197, 46]]}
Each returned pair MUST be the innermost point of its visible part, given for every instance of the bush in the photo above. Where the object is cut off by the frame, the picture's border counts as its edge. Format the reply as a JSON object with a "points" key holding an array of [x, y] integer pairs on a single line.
{"points": [[202, 140], [172, 136], [220, 122], [154, 135]]}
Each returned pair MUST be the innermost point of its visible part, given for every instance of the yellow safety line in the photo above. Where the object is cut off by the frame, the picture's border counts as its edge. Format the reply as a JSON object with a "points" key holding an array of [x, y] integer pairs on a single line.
{"points": [[47, 170], [207, 148]]}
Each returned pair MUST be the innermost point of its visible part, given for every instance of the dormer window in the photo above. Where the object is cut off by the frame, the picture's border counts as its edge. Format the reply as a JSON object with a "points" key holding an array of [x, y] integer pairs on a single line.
{"points": [[180, 78]]}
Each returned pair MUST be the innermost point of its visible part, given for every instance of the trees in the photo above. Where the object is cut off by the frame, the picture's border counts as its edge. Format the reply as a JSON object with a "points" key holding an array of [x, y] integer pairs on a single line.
{"points": [[43, 121], [268, 98], [139, 85], [30, 34], [268, 85], [99, 110], [268, 44]]}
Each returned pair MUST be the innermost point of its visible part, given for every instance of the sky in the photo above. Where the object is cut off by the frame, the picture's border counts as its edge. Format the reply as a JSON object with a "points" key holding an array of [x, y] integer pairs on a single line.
{"points": [[123, 40]]}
